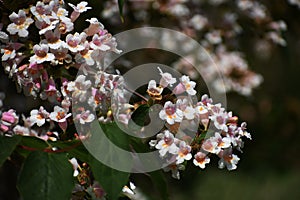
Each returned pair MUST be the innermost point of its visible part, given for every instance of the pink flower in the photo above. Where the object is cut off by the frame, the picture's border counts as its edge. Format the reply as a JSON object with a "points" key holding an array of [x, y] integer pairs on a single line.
{"points": [[50, 93], [94, 28], [9, 117]]}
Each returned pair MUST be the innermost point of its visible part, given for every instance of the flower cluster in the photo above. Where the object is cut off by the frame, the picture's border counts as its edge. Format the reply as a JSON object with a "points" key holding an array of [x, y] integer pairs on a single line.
{"points": [[218, 33], [196, 130], [45, 68]]}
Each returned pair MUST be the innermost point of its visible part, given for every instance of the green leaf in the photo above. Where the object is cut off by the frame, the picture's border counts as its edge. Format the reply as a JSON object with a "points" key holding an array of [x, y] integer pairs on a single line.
{"points": [[110, 179], [7, 146], [47, 176], [121, 5], [159, 181], [139, 117], [29, 144], [75, 148], [108, 146]]}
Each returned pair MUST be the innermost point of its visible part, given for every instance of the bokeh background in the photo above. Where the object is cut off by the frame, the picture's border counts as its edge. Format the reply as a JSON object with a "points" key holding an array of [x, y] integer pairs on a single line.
{"points": [[270, 165]]}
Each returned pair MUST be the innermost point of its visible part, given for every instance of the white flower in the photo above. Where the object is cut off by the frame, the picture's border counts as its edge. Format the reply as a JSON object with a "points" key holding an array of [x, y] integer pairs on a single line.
{"points": [[170, 113], [183, 153], [223, 142], [214, 37], [74, 163], [59, 114], [41, 54], [99, 42], [189, 85], [166, 144], [39, 116], [200, 160], [198, 22], [189, 113], [228, 159], [130, 189], [74, 42], [210, 146], [166, 79], [20, 23], [81, 7], [85, 117]]}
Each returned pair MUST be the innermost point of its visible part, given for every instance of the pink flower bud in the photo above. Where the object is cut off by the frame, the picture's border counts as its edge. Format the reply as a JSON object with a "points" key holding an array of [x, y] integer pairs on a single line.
{"points": [[8, 117], [179, 89], [4, 128]]}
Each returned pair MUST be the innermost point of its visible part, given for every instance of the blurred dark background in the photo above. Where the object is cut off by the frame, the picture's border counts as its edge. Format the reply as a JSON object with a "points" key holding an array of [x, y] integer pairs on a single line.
{"points": [[270, 166]]}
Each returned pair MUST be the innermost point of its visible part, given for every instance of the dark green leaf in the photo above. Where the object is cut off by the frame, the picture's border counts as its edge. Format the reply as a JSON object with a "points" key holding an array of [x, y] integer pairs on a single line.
{"points": [[121, 5], [46, 176], [159, 181], [139, 117], [74, 148], [110, 179], [108, 146], [29, 144], [7, 146]]}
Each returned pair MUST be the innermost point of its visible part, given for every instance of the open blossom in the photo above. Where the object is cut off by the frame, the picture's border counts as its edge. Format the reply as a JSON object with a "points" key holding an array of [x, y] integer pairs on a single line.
{"points": [[79, 88], [170, 113], [85, 117], [167, 144], [41, 11], [214, 37], [183, 152], [44, 27], [86, 56], [99, 42], [60, 115], [39, 117], [210, 145], [228, 159], [201, 159], [74, 42], [222, 142], [153, 90], [166, 79], [8, 54], [81, 7], [20, 23], [185, 86], [41, 54], [53, 39]]}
